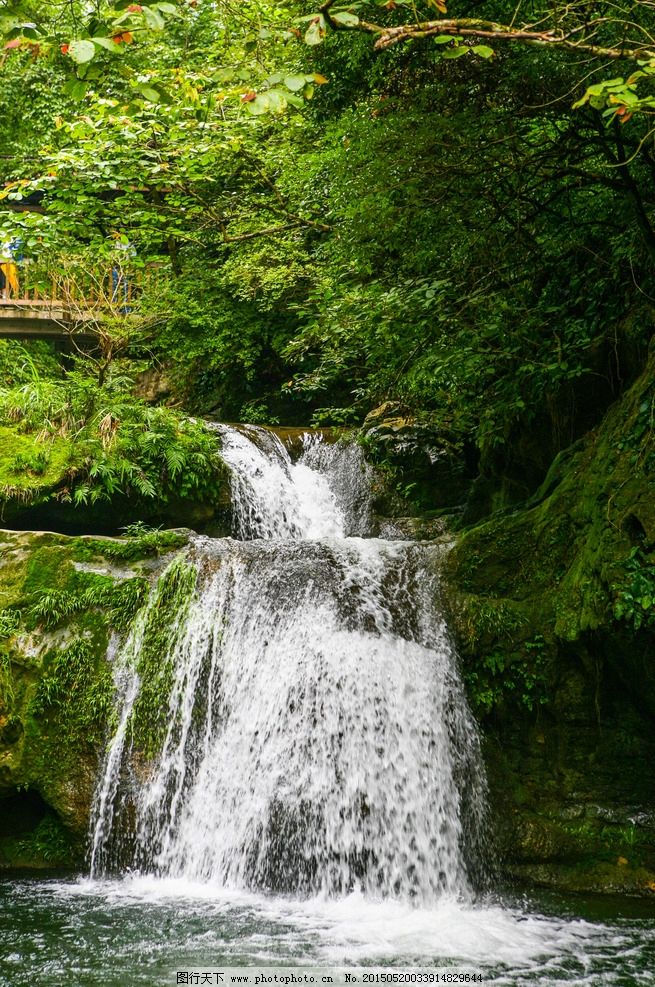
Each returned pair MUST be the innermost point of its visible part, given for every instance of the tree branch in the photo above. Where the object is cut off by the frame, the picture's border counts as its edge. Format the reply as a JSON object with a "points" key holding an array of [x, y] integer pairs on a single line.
{"points": [[466, 27]]}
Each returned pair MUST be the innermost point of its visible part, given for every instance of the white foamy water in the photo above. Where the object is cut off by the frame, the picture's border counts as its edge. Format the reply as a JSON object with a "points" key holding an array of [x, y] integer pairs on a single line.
{"points": [[325, 755], [140, 930], [318, 735], [274, 497]]}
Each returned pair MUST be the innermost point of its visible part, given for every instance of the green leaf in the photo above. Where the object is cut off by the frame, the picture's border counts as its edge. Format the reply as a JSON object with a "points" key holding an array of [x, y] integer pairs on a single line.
{"points": [[75, 88], [295, 82], [456, 52], [294, 100], [484, 51], [315, 34], [346, 18], [82, 51], [167, 8], [277, 100], [152, 95], [153, 19], [260, 105], [443, 39], [108, 43]]}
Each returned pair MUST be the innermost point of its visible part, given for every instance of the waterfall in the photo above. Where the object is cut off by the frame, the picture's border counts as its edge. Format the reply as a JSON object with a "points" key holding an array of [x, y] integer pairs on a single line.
{"points": [[314, 736]]}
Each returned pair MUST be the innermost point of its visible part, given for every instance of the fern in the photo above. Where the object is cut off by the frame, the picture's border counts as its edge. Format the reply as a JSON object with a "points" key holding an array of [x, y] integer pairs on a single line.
{"points": [[9, 621], [54, 607], [175, 460], [122, 447]]}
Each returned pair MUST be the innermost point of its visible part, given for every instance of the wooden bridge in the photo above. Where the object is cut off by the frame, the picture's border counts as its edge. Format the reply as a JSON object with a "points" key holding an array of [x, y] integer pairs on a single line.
{"points": [[25, 318], [34, 306]]}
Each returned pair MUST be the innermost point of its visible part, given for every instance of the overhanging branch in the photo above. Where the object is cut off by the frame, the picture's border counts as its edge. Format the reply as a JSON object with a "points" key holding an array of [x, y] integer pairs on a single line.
{"points": [[466, 27]]}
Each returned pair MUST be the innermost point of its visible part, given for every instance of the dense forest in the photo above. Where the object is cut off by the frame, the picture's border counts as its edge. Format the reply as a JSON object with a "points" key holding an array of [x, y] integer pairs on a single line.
{"points": [[431, 227], [331, 226]]}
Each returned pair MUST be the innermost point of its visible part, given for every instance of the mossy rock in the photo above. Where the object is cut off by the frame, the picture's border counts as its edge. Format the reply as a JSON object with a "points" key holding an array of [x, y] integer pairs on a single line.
{"points": [[31, 468], [552, 609], [38, 474], [60, 601]]}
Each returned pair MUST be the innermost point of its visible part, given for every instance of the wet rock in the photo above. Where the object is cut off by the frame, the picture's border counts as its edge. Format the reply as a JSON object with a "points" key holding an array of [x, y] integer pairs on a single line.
{"points": [[561, 677], [429, 471], [412, 528], [55, 682], [154, 386]]}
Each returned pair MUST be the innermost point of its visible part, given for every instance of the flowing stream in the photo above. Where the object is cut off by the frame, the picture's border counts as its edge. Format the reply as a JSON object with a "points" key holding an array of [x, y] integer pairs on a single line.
{"points": [[316, 795]]}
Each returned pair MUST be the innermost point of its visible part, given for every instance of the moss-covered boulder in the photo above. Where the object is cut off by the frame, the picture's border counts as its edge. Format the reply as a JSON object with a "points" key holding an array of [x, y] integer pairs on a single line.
{"points": [[62, 602], [553, 606], [53, 480]]}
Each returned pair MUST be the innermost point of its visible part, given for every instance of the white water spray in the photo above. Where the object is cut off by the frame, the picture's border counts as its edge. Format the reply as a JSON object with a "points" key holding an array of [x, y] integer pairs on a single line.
{"points": [[318, 736]]}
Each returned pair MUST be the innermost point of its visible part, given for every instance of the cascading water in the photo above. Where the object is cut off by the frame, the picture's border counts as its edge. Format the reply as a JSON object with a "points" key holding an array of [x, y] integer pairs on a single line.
{"points": [[290, 719], [318, 739]]}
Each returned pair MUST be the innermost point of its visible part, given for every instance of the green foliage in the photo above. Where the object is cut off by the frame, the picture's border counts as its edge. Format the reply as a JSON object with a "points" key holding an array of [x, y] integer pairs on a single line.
{"points": [[224, 353], [20, 364], [502, 668], [634, 597], [35, 464], [116, 445], [256, 413], [639, 438], [6, 681], [9, 622], [156, 636], [77, 688], [490, 279], [490, 619], [499, 678], [618, 98], [54, 607], [140, 540], [119, 601], [50, 843]]}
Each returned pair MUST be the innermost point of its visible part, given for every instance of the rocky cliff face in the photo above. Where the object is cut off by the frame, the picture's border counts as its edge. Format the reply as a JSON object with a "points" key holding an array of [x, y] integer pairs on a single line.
{"points": [[553, 605], [62, 602]]}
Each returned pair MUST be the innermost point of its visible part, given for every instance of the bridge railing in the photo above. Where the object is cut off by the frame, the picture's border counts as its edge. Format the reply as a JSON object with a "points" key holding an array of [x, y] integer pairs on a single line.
{"points": [[73, 287]]}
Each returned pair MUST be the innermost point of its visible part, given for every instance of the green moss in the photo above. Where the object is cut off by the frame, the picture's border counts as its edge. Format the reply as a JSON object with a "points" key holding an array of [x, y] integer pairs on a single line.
{"points": [[61, 599], [553, 608], [31, 466], [49, 568], [163, 623], [560, 567]]}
